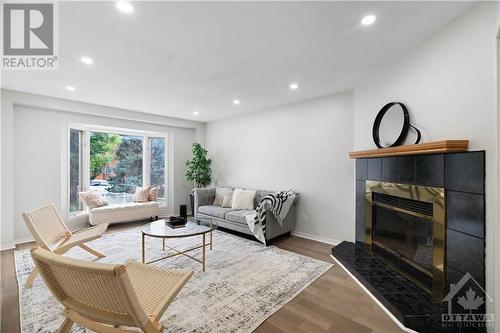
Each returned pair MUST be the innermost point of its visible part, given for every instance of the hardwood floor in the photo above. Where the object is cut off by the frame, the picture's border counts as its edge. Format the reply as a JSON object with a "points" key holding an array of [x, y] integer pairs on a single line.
{"points": [[332, 303]]}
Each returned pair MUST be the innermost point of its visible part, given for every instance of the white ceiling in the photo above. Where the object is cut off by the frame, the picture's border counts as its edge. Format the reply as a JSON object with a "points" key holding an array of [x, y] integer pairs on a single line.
{"points": [[172, 58]]}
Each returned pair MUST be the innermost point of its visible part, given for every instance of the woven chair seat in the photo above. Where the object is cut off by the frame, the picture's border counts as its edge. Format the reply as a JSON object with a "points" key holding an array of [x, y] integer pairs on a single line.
{"points": [[86, 235], [154, 286]]}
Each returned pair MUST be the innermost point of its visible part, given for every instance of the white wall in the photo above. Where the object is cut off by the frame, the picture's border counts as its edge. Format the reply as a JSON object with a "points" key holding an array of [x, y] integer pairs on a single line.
{"points": [[6, 213], [448, 83], [34, 133], [303, 147], [497, 212]]}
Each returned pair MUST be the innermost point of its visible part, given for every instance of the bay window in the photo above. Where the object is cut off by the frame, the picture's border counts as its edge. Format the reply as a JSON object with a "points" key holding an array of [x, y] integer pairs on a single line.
{"points": [[114, 162]]}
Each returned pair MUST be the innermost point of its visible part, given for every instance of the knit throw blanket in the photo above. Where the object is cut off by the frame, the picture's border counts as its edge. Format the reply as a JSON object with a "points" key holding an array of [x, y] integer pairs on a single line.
{"points": [[278, 203]]}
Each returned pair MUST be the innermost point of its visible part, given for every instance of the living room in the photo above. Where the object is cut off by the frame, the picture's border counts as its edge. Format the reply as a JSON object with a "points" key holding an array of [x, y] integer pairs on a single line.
{"points": [[243, 149]]}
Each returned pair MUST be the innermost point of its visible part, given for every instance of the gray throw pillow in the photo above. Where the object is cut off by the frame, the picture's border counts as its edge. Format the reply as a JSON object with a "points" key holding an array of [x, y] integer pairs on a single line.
{"points": [[227, 200], [219, 196]]}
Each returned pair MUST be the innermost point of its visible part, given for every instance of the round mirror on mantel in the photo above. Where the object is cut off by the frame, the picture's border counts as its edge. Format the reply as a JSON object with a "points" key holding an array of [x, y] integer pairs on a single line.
{"points": [[391, 126]]}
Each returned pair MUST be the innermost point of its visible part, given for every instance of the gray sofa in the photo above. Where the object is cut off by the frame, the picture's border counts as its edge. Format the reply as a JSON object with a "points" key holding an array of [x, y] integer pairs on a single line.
{"points": [[235, 219]]}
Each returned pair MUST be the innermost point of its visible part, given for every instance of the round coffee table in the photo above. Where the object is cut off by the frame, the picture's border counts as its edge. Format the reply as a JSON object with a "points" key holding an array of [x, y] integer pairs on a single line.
{"points": [[194, 227]]}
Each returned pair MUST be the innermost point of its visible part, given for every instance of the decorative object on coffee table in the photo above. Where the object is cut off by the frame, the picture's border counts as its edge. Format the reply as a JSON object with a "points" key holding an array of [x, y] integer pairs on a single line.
{"points": [[194, 227], [391, 126], [176, 222], [183, 211]]}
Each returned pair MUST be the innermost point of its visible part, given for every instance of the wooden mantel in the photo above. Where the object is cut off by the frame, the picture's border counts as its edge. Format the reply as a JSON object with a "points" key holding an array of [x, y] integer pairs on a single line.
{"points": [[435, 147]]}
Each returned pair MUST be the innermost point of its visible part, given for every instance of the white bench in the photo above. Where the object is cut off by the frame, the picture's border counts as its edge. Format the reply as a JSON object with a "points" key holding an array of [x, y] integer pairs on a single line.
{"points": [[118, 213]]}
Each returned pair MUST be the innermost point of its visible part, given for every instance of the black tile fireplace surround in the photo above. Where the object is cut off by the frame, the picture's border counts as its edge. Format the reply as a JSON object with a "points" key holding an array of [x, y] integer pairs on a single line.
{"points": [[462, 176]]}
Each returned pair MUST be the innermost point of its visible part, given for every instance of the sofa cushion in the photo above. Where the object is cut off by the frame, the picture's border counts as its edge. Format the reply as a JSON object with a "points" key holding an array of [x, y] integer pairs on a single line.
{"points": [[238, 215], [212, 210], [130, 206], [132, 211]]}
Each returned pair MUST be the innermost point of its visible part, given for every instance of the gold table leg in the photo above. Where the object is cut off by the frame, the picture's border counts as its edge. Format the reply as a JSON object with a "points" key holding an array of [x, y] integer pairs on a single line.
{"points": [[165, 246], [143, 249], [203, 253]]}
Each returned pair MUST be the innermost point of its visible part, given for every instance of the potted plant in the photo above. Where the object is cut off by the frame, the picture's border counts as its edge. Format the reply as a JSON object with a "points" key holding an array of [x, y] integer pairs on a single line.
{"points": [[199, 169]]}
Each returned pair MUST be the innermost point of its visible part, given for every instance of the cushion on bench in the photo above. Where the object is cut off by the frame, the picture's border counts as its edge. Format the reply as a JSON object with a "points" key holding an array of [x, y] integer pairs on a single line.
{"points": [[132, 211]]}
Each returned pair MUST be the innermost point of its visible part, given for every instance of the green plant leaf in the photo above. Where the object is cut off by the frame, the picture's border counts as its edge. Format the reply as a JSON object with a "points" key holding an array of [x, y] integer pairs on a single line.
{"points": [[199, 167]]}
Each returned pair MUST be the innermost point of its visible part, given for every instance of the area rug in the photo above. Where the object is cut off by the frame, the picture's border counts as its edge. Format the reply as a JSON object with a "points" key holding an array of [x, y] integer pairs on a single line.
{"points": [[244, 282]]}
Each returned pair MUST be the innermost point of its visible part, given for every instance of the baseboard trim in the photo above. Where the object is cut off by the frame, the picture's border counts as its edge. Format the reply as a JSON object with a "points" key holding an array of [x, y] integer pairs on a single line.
{"points": [[75, 225], [79, 225], [8, 246], [326, 240], [23, 240], [400, 325]]}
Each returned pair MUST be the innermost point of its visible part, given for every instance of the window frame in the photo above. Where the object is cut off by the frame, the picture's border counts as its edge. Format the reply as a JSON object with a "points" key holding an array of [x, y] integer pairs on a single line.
{"points": [[80, 167], [86, 130]]}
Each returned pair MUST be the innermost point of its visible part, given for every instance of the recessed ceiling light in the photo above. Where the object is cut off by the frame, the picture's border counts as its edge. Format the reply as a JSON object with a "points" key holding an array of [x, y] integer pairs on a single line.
{"points": [[196, 113], [236, 102], [70, 88], [124, 7], [368, 19], [87, 60], [294, 86]]}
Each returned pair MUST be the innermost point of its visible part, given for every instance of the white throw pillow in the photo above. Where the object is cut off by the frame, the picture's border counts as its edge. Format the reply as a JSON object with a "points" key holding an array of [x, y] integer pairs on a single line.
{"points": [[92, 199], [153, 194], [142, 194], [243, 199]]}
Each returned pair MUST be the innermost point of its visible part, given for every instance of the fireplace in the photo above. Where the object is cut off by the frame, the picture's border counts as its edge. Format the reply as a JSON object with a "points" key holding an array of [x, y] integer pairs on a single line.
{"points": [[405, 226], [419, 231]]}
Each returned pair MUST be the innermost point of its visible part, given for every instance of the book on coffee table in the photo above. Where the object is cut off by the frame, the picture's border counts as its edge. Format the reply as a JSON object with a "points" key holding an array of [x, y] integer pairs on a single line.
{"points": [[176, 222], [175, 226]]}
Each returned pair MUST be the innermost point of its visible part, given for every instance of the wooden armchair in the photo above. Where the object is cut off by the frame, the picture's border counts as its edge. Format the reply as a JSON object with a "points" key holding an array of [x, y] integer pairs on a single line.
{"points": [[102, 297], [50, 233]]}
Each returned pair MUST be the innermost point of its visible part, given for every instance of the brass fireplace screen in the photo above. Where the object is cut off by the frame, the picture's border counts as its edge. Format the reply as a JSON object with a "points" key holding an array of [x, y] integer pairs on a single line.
{"points": [[420, 203]]}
